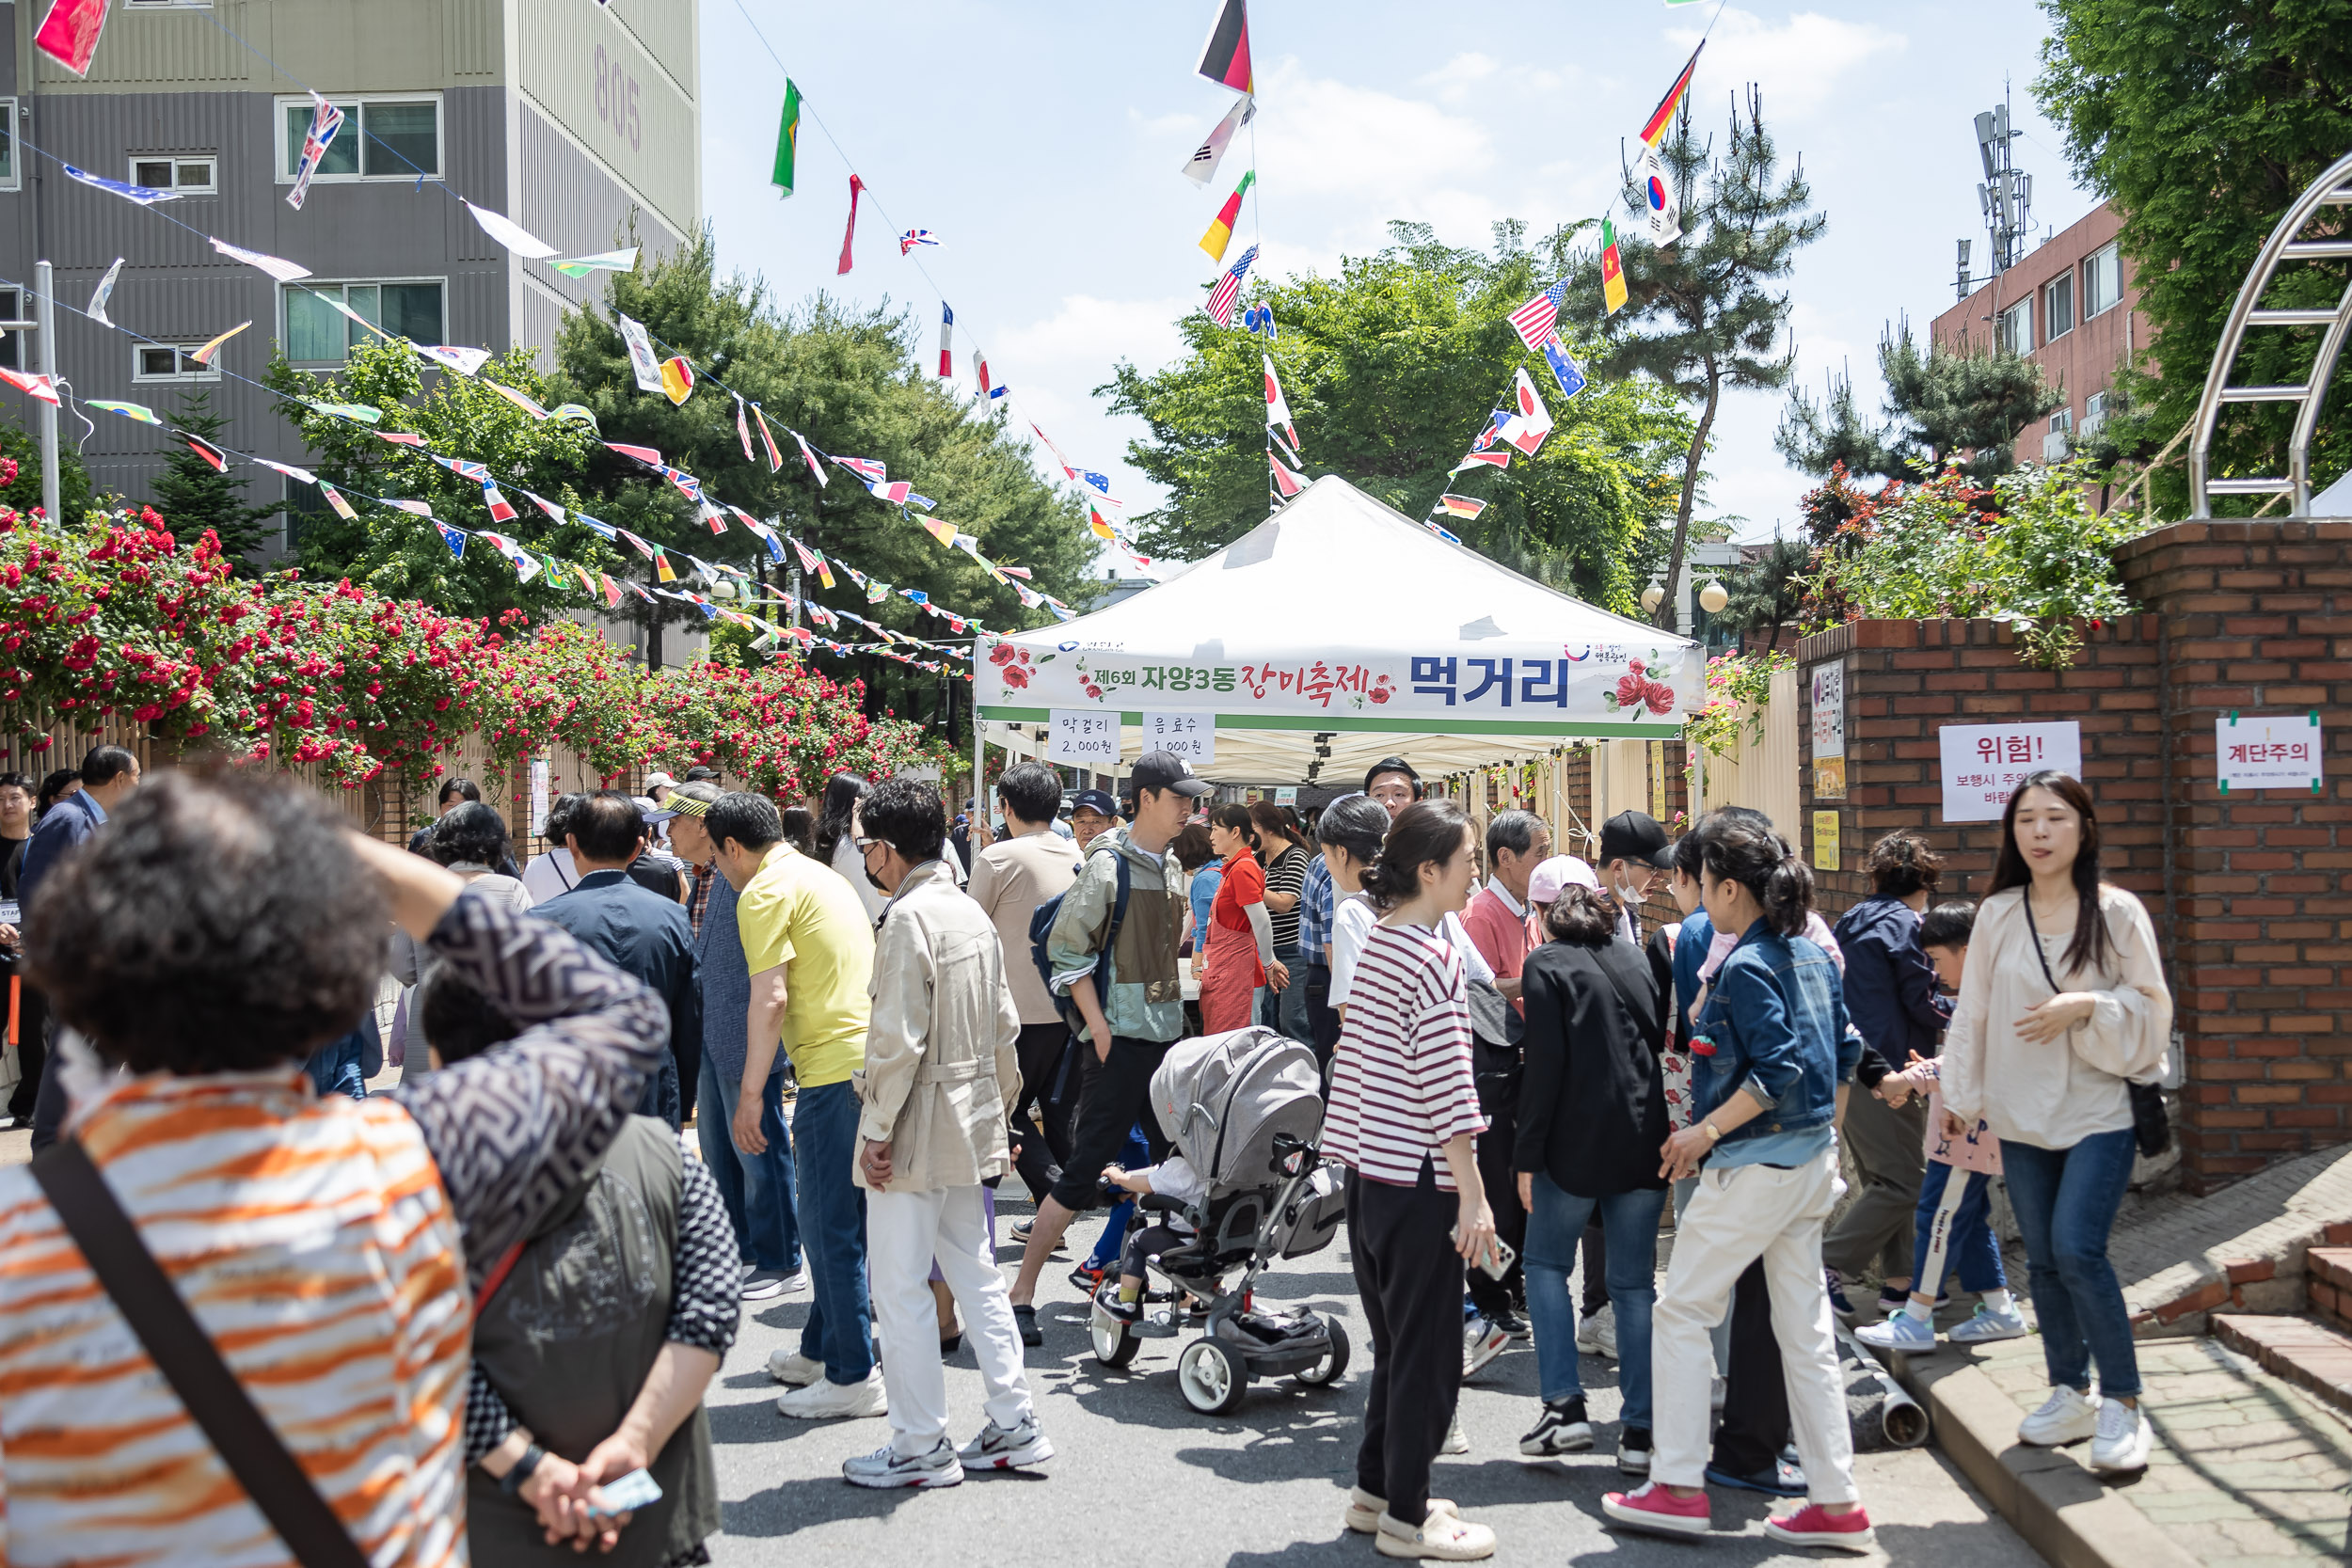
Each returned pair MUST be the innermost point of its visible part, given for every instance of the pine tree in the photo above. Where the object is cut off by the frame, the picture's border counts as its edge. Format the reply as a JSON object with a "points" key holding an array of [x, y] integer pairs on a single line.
{"points": [[1704, 312], [1768, 593], [192, 496], [1940, 404]]}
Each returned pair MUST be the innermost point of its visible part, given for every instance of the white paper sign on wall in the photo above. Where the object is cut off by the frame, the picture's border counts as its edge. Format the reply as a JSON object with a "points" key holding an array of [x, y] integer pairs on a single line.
{"points": [[1089, 736], [538, 796], [2256, 752], [1189, 736], [1983, 764]]}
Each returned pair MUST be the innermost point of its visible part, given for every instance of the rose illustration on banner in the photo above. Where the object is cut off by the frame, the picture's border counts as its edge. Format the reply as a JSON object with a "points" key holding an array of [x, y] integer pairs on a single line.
{"points": [[1638, 688]]}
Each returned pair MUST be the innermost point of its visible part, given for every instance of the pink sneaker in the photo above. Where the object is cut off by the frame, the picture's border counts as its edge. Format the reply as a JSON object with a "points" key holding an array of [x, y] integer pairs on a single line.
{"points": [[1815, 1525], [1655, 1509]]}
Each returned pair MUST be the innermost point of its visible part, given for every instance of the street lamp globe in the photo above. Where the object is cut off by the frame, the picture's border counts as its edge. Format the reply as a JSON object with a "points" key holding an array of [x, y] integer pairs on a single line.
{"points": [[1652, 597], [1713, 597]]}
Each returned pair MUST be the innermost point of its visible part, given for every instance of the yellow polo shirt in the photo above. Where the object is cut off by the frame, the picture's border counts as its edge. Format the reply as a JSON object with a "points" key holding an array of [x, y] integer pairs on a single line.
{"points": [[804, 915]]}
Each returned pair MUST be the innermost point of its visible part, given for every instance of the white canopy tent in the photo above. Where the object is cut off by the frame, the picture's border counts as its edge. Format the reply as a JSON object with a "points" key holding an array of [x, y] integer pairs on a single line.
{"points": [[1336, 633]]}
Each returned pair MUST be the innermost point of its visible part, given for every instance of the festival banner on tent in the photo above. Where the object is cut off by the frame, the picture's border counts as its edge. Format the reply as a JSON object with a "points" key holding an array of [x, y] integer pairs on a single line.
{"points": [[1615, 683]]}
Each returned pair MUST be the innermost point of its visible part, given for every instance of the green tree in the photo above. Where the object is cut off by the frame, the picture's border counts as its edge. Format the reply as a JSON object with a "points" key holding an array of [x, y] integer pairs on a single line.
{"points": [[193, 495], [1768, 592], [1704, 312], [402, 555], [2203, 120], [1940, 404], [852, 383], [1390, 368], [22, 448]]}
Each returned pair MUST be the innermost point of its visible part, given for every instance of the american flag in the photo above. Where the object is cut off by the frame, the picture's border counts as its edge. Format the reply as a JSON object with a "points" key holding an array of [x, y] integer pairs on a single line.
{"points": [[1228, 287], [1533, 321]]}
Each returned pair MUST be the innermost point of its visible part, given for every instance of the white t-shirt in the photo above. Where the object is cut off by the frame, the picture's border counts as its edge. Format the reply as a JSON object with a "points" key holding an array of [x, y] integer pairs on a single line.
{"points": [[1352, 919], [851, 864], [550, 876]]}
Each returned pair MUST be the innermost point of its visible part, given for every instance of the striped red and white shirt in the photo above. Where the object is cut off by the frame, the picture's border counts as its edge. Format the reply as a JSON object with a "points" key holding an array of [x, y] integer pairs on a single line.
{"points": [[1400, 1081]]}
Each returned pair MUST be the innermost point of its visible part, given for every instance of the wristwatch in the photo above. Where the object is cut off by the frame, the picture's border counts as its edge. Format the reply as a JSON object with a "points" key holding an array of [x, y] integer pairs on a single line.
{"points": [[512, 1482], [1712, 1134]]}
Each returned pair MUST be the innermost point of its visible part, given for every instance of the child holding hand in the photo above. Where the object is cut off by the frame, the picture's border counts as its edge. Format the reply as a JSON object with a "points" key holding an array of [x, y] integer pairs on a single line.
{"points": [[1955, 1197]]}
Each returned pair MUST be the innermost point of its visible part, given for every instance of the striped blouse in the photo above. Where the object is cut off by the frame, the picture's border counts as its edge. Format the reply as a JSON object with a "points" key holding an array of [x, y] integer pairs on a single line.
{"points": [[1401, 1081], [325, 1244]]}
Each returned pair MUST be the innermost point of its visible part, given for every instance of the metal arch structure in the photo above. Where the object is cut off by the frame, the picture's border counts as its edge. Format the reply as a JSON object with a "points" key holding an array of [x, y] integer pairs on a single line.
{"points": [[2331, 189]]}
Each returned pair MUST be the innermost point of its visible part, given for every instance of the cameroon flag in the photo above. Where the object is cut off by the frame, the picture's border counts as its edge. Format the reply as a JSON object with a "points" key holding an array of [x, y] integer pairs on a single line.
{"points": [[787, 138], [1611, 270], [1220, 233]]}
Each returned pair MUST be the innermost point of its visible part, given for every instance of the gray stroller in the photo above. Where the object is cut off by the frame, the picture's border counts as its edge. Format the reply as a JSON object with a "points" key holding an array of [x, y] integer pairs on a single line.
{"points": [[1244, 1109]]}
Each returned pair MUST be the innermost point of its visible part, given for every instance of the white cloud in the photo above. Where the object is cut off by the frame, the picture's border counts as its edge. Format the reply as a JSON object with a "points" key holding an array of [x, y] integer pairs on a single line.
{"points": [[1338, 140], [1797, 63], [1087, 333]]}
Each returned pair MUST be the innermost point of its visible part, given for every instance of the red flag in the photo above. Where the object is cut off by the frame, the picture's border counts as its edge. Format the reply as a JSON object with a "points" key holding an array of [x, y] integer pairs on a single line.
{"points": [[850, 233], [68, 34]]}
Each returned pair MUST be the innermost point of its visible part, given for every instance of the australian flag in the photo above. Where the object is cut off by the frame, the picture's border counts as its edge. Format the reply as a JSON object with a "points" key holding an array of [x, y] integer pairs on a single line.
{"points": [[1564, 370]]}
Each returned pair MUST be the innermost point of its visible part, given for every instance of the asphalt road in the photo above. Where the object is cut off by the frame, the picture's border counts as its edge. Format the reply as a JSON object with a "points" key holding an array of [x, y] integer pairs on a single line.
{"points": [[1141, 1479]]}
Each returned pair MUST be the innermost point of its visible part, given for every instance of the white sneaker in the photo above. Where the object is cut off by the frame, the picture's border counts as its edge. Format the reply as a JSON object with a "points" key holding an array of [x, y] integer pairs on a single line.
{"points": [[1440, 1538], [1364, 1510], [793, 1370], [828, 1402], [767, 1284], [1988, 1326], [887, 1467], [1456, 1440], [1597, 1334], [1903, 1332], [2068, 1416], [1482, 1341], [996, 1449], [2121, 1444]]}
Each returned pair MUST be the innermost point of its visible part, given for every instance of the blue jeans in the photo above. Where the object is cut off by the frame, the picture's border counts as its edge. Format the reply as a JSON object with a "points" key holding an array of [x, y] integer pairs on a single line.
{"points": [[1968, 1244], [840, 1328], [1553, 1228], [1290, 1006], [2065, 1201], [756, 1188], [1113, 1240]]}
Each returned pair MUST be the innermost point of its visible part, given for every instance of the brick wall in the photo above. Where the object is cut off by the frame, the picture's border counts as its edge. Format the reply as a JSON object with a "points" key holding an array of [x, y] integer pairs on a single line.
{"points": [[2249, 892]]}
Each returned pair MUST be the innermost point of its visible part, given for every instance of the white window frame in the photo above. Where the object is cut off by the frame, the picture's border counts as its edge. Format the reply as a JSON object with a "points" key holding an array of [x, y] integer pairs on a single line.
{"points": [[2090, 261], [212, 160], [14, 179], [2074, 313], [2001, 338], [139, 372], [281, 155], [2094, 412], [286, 290]]}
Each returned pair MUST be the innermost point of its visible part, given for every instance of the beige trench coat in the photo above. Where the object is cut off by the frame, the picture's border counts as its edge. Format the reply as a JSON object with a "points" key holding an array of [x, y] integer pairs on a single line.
{"points": [[940, 1066]]}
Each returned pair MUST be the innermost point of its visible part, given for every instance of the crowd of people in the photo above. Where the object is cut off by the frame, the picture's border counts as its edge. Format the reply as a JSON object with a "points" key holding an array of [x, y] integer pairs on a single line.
{"points": [[484, 1308]]}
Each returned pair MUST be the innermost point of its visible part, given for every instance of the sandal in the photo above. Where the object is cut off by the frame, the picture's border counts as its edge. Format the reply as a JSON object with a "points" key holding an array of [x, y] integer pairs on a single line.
{"points": [[1025, 1319]]}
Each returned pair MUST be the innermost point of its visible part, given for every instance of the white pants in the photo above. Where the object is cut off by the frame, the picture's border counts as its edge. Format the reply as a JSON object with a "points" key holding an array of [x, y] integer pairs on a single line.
{"points": [[1737, 1216], [904, 1231]]}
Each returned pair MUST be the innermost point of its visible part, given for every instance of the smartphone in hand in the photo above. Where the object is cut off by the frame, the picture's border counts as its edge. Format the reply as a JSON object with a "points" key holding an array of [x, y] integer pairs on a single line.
{"points": [[626, 1494]]}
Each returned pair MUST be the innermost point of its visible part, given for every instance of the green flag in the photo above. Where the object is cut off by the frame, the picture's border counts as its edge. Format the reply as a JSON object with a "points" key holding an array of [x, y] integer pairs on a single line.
{"points": [[787, 138]]}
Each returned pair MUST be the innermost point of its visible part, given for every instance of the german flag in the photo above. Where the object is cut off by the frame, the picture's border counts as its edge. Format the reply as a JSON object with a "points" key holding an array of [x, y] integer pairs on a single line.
{"points": [[1654, 128], [1225, 59], [205, 450]]}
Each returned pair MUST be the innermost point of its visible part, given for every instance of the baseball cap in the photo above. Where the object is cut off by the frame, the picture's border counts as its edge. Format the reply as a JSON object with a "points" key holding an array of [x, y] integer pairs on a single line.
{"points": [[1099, 800], [656, 782], [1391, 765], [1545, 882], [1635, 835], [1167, 771]]}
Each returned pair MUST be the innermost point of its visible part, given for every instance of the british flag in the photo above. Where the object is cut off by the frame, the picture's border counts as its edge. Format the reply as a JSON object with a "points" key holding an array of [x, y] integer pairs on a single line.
{"points": [[1534, 320], [866, 469], [1227, 288]]}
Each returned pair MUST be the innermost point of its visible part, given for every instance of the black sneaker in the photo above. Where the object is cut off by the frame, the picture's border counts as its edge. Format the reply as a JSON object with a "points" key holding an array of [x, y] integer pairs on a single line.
{"points": [[1107, 1302], [1633, 1451], [1512, 1323], [1839, 1304], [1561, 1429]]}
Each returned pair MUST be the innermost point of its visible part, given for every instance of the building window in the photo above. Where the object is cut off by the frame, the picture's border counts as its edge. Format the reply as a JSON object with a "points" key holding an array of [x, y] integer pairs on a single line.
{"points": [[2057, 308], [2094, 413], [318, 334], [393, 138], [169, 171], [304, 507], [2060, 443], [2103, 280], [2012, 329], [7, 144], [167, 362], [11, 343]]}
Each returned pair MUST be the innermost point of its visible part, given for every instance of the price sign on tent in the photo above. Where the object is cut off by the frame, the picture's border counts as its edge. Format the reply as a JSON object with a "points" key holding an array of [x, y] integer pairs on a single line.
{"points": [[1983, 764], [1189, 736], [2267, 753], [1079, 735]]}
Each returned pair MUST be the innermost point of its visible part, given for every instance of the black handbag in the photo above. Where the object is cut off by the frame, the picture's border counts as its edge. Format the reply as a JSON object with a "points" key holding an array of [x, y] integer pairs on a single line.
{"points": [[2151, 1127], [177, 1343]]}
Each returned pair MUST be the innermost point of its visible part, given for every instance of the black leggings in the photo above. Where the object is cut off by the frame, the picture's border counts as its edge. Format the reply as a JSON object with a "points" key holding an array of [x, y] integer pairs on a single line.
{"points": [[1410, 1280], [1040, 1048]]}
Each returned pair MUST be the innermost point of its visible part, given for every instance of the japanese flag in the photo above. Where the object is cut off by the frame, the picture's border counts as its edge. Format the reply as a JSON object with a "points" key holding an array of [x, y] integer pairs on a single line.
{"points": [[1529, 422]]}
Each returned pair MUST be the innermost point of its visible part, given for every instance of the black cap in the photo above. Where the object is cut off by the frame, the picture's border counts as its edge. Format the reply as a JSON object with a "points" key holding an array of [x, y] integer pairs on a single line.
{"points": [[1167, 771], [1391, 765], [1635, 835], [1098, 798]]}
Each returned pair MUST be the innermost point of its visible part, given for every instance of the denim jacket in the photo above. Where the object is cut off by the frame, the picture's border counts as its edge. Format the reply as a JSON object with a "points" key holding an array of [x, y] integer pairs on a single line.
{"points": [[1776, 1017]]}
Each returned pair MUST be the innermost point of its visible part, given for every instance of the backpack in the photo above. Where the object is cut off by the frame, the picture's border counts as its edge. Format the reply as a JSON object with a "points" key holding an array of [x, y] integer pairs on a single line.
{"points": [[1042, 928]]}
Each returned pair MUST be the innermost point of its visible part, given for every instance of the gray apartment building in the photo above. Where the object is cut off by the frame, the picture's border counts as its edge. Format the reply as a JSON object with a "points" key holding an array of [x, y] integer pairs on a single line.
{"points": [[577, 119]]}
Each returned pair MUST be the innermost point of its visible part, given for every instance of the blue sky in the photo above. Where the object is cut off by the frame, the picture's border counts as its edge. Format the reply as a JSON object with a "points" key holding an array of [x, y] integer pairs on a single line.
{"points": [[1043, 143]]}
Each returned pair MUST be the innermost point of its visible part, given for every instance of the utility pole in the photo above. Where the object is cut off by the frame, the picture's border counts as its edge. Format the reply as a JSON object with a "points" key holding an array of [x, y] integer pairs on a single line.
{"points": [[46, 314]]}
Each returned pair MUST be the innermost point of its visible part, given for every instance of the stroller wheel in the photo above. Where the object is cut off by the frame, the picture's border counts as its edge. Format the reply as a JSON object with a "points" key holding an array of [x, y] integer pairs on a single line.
{"points": [[1115, 1343], [1212, 1377], [1328, 1369]]}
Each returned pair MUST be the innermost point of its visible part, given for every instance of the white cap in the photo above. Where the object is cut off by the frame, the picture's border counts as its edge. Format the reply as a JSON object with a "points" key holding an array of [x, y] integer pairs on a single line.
{"points": [[1545, 882]]}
